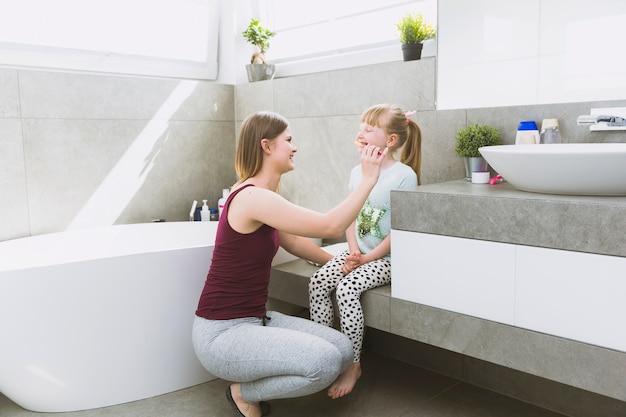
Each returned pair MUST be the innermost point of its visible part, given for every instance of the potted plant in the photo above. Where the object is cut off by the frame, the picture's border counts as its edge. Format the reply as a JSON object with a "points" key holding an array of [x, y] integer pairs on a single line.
{"points": [[413, 31], [259, 36], [469, 140]]}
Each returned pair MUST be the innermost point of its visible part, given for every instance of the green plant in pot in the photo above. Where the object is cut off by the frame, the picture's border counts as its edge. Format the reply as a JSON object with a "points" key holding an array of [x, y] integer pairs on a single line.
{"points": [[469, 140], [259, 36], [413, 31]]}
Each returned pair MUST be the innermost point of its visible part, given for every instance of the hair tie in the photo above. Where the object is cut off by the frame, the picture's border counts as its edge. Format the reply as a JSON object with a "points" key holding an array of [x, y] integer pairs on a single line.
{"points": [[409, 114]]}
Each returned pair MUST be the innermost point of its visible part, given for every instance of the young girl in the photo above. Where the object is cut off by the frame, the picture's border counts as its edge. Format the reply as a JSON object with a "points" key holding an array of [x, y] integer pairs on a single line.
{"points": [[367, 263], [268, 354]]}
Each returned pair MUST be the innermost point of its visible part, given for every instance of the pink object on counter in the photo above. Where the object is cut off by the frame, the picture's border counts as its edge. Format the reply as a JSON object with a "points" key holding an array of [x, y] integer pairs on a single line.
{"points": [[495, 179]]}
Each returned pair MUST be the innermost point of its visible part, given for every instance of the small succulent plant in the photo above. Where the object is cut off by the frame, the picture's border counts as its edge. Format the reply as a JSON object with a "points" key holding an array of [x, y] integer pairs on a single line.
{"points": [[475, 136]]}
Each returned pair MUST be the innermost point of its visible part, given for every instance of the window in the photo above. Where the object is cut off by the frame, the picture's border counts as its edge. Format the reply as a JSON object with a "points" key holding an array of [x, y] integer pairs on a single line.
{"points": [[175, 38], [329, 34]]}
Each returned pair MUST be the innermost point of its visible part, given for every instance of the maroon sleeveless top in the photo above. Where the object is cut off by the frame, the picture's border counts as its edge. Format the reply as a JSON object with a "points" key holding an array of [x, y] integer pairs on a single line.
{"points": [[238, 279]]}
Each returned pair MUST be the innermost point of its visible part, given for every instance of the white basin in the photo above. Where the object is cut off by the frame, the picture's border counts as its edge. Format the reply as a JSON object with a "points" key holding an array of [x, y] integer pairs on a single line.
{"points": [[564, 168]]}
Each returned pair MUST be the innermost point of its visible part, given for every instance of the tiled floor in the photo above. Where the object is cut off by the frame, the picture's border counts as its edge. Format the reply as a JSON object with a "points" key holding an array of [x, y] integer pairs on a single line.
{"points": [[388, 388]]}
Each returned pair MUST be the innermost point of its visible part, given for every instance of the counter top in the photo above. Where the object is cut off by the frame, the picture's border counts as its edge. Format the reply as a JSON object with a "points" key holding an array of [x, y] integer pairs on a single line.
{"points": [[501, 213]]}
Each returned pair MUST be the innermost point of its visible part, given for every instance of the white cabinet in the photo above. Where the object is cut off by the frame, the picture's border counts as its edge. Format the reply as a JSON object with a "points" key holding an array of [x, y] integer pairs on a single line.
{"points": [[468, 276], [569, 294], [576, 295]]}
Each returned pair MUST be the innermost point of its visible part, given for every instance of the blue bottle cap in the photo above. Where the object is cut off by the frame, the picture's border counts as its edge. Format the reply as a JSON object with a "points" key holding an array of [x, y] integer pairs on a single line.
{"points": [[527, 125]]}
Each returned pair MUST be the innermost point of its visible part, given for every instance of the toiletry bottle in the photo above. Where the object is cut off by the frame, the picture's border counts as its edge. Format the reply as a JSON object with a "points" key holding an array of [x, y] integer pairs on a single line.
{"points": [[205, 214], [527, 133], [222, 200], [192, 213], [550, 131], [214, 214]]}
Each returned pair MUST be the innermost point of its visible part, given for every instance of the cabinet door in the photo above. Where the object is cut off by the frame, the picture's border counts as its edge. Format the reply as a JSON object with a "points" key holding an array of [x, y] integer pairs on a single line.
{"points": [[575, 295], [467, 276]]}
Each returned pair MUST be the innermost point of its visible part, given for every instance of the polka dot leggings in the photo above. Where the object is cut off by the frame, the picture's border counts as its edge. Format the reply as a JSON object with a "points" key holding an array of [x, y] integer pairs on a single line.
{"points": [[348, 292]]}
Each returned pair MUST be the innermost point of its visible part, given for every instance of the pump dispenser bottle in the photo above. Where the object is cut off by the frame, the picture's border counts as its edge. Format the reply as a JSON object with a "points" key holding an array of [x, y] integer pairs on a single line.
{"points": [[550, 131], [222, 201], [205, 213]]}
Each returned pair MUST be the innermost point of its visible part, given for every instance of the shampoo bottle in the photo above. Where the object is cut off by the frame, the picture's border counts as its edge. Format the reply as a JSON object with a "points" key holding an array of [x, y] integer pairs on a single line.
{"points": [[527, 133], [205, 214], [222, 201]]}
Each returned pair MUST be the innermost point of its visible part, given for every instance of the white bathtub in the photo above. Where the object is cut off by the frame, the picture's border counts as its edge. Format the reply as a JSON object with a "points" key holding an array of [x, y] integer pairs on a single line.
{"points": [[98, 317]]}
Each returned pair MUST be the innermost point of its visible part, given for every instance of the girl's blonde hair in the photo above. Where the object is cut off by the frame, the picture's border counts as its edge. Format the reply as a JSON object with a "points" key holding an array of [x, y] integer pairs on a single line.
{"points": [[394, 121], [249, 154]]}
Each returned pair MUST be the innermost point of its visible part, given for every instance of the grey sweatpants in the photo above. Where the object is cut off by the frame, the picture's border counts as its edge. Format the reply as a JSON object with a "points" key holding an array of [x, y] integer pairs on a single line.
{"points": [[288, 357]]}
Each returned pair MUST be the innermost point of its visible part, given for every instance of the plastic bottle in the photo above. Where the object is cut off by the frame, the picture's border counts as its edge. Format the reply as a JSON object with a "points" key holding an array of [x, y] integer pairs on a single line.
{"points": [[222, 200], [205, 213], [527, 133], [550, 131]]}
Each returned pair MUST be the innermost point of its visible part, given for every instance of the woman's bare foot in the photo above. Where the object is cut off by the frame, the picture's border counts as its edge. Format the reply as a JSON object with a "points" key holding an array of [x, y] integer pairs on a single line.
{"points": [[245, 408], [345, 382]]}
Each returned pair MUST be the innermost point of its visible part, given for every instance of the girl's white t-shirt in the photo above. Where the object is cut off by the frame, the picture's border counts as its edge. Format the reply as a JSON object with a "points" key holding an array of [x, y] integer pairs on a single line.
{"points": [[373, 223]]}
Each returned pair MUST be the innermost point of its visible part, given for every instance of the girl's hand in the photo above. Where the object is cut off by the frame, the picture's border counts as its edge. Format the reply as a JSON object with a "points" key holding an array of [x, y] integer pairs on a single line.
{"points": [[352, 262]]}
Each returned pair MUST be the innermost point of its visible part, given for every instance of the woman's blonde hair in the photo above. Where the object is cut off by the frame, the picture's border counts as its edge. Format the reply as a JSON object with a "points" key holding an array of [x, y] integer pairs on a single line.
{"points": [[394, 121], [249, 154]]}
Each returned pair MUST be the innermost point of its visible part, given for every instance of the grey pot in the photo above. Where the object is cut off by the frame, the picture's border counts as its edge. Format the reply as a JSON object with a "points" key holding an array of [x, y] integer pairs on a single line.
{"points": [[412, 51], [260, 72], [475, 164]]}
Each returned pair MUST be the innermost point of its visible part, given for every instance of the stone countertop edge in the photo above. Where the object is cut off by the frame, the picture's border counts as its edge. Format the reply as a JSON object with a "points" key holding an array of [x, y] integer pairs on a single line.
{"points": [[501, 213]]}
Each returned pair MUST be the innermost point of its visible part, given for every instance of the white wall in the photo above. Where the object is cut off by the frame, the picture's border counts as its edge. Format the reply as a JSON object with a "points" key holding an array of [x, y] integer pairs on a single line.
{"points": [[234, 53], [518, 52]]}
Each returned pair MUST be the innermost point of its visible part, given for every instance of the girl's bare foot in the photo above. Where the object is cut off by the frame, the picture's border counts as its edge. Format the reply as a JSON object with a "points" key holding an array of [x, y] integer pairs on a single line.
{"points": [[244, 408], [345, 382]]}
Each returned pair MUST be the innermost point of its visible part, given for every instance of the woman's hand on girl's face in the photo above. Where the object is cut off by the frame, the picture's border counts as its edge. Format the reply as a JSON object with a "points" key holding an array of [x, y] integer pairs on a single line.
{"points": [[371, 150], [371, 160]]}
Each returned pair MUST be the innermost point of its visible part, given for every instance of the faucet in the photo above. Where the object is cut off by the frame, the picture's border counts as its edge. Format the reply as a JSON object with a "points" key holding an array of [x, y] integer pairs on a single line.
{"points": [[594, 119]]}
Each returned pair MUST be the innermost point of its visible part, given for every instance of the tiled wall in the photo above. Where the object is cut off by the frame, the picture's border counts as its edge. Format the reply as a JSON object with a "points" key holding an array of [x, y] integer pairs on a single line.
{"points": [[86, 150], [324, 111], [80, 150]]}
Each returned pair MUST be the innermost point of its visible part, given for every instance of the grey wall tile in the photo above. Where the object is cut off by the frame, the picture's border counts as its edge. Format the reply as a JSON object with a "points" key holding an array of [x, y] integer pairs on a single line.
{"points": [[81, 96], [13, 194], [439, 161], [253, 97], [376, 308], [9, 96], [326, 154], [195, 162], [408, 84], [323, 110], [90, 172], [565, 361], [67, 162], [200, 100], [506, 120]]}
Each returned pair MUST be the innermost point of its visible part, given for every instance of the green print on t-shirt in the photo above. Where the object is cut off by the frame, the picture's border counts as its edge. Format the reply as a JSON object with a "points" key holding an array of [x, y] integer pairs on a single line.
{"points": [[369, 220]]}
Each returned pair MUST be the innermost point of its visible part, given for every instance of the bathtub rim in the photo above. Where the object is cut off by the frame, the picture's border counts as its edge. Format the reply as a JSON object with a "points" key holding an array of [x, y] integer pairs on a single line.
{"points": [[71, 246]]}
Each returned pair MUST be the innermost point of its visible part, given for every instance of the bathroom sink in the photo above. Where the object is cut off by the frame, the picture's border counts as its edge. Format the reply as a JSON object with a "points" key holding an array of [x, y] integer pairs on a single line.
{"points": [[563, 168]]}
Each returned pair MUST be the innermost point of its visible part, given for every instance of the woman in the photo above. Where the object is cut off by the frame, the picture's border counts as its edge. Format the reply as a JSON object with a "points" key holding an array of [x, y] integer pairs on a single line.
{"points": [[267, 354]]}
